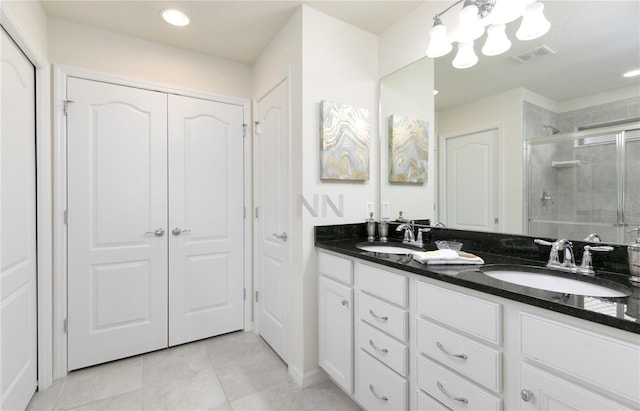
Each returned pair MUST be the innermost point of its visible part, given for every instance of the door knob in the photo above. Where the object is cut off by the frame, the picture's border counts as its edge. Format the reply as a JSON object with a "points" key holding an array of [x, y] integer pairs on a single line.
{"points": [[158, 233], [177, 231], [282, 236], [527, 395]]}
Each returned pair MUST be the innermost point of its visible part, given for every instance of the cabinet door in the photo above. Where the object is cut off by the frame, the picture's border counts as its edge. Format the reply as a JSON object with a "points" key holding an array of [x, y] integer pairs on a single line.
{"points": [[547, 392], [336, 331]]}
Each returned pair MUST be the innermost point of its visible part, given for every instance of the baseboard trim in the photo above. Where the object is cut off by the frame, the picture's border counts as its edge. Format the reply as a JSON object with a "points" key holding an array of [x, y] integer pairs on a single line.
{"points": [[309, 379]]}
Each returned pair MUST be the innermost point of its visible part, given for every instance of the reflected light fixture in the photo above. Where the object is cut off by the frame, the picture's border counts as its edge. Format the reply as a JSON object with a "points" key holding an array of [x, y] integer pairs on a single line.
{"points": [[492, 15], [632, 73], [174, 17]]}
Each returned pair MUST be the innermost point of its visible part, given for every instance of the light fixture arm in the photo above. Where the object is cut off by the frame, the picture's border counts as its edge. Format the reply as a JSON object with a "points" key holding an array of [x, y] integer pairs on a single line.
{"points": [[484, 7]]}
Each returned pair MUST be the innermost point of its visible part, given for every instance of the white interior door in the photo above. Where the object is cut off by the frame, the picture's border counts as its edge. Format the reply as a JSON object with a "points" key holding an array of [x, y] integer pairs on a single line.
{"points": [[117, 222], [18, 346], [272, 243], [469, 180], [206, 218]]}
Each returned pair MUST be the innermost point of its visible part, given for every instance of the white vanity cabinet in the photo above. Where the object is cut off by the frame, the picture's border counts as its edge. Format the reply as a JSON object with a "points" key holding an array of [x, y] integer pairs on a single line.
{"points": [[563, 366], [383, 334], [458, 337], [416, 343], [335, 318]]}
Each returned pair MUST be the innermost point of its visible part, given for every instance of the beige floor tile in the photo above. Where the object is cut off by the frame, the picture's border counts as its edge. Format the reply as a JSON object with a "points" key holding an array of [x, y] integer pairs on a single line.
{"points": [[283, 397], [100, 382], [47, 399], [327, 396], [129, 401], [179, 388]]}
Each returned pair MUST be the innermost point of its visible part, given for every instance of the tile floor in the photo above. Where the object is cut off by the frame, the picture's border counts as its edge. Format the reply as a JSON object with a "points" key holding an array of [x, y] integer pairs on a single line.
{"points": [[236, 371]]}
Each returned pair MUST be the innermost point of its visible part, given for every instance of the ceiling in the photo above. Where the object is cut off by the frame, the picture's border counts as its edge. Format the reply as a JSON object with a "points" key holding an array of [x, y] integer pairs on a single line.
{"points": [[232, 30], [594, 42]]}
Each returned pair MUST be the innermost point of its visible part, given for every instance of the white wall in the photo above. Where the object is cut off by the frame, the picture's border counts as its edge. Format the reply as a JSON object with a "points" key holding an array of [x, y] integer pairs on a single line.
{"points": [[31, 22], [81, 46], [506, 109], [339, 64]]}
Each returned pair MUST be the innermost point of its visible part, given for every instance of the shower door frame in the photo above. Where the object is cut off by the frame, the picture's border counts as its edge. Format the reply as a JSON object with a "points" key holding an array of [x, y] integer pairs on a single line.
{"points": [[618, 130]]}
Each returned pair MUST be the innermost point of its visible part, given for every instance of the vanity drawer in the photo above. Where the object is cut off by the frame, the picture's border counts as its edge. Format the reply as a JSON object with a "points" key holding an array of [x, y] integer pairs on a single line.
{"points": [[338, 268], [564, 347], [392, 287], [383, 316], [426, 403], [475, 316], [379, 388], [386, 349], [480, 364], [444, 386]]}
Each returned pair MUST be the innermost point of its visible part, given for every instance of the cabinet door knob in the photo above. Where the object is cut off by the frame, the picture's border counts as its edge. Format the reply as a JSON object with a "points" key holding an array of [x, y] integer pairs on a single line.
{"points": [[345, 303], [527, 395]]}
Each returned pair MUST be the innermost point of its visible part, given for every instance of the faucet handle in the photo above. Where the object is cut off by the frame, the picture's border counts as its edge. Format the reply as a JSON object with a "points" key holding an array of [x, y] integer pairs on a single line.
{"points": [[543, 242], [586, 266]]}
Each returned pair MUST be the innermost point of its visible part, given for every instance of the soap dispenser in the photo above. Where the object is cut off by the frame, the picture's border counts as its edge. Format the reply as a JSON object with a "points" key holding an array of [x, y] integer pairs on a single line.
{"points": [[634, 258], [371, 228]]}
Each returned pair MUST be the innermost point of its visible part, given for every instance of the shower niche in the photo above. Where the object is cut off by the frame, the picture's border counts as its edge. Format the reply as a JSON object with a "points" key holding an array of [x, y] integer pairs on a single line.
{"points": [[584, 185]]}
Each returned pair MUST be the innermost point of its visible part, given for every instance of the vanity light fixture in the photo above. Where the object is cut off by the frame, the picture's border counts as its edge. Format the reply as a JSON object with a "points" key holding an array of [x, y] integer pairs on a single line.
{"points": [[632, 73], [174, 17], [494, 15]]}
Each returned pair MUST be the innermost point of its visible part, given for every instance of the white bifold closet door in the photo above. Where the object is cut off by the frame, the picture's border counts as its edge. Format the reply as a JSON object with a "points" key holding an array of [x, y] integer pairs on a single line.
{"points": [[18, 260], [155, 224]]}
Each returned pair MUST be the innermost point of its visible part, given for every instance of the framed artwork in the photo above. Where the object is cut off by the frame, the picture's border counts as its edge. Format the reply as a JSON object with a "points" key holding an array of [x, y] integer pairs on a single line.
{"points": [[408, 150], [344, 142]]}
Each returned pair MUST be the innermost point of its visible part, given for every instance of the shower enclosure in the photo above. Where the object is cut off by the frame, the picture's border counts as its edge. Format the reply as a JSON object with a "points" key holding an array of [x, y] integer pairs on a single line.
{"points": [[582, 183]]}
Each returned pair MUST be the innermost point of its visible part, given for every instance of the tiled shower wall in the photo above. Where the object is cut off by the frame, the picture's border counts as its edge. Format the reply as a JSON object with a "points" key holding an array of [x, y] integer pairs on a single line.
{"points": [[583, 197]]}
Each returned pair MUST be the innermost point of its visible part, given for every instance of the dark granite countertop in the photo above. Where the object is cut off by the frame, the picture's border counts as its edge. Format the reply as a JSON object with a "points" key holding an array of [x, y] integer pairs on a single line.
{"points": [[622, 313]]}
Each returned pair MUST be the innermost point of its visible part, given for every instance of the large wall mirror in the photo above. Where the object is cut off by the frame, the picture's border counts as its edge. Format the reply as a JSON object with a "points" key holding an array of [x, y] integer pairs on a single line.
{"points": [[524, 141]]}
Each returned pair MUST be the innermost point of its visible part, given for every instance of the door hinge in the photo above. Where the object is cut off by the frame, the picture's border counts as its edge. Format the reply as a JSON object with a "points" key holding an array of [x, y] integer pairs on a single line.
{"points": [[65, 325], [244, 212], [257, 296], [256, 212], [65, 109], [244, 293], [244, 130], [496, 220], [65, 216]]}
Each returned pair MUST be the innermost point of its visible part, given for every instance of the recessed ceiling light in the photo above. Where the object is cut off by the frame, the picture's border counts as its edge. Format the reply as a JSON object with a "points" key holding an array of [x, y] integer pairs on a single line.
{"points": [[632, 73], [175, 17]]}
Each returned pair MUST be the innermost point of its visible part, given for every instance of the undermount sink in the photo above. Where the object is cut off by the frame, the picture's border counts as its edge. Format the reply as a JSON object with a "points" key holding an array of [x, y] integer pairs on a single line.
{"points": [[557, 281], [387, 248]]}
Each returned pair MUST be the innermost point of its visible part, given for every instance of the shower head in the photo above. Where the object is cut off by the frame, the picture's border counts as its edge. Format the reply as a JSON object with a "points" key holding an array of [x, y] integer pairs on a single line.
{"points": [[550, 127]]}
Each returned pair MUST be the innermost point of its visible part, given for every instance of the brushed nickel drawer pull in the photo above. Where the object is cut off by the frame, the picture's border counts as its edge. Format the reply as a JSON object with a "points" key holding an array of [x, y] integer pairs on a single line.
{"points": [[444, 350], [382, 350], [383, 318], [453, 397], [378, 396]]}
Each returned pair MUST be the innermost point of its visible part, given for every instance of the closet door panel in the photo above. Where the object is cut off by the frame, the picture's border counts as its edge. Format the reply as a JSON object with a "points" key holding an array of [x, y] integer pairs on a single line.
{"points": [[117, 209], [206, 218]]}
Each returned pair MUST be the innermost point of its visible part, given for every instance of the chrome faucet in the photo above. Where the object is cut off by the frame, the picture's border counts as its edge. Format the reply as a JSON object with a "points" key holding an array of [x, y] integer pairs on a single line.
{"points": [[568, 262], [408, 232], [586, 266]]}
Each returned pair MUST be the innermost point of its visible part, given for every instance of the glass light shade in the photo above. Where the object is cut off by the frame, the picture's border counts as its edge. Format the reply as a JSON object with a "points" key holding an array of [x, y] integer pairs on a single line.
{"points": [[497, 41], [466, 56], [506, 11], [175, 17], [439, 43], [470, 27], [534, 24]]}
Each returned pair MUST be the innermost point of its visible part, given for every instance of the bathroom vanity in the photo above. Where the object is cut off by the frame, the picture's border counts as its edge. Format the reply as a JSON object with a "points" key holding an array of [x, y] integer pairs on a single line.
{"points": [[396, 334]]}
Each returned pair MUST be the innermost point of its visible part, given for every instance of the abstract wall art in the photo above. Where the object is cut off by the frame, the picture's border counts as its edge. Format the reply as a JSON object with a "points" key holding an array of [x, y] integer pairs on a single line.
{"points": [[408, 150], [344, 142]]}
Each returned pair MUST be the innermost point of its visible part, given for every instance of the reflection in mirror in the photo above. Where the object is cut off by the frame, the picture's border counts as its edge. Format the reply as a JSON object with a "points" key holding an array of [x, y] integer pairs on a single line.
{"points": [[503, 102]]}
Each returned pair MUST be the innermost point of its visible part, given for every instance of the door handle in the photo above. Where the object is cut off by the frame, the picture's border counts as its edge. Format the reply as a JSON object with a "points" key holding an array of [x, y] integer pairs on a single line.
{"points": [[282, 236], [158, 233], [177, 231]]}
